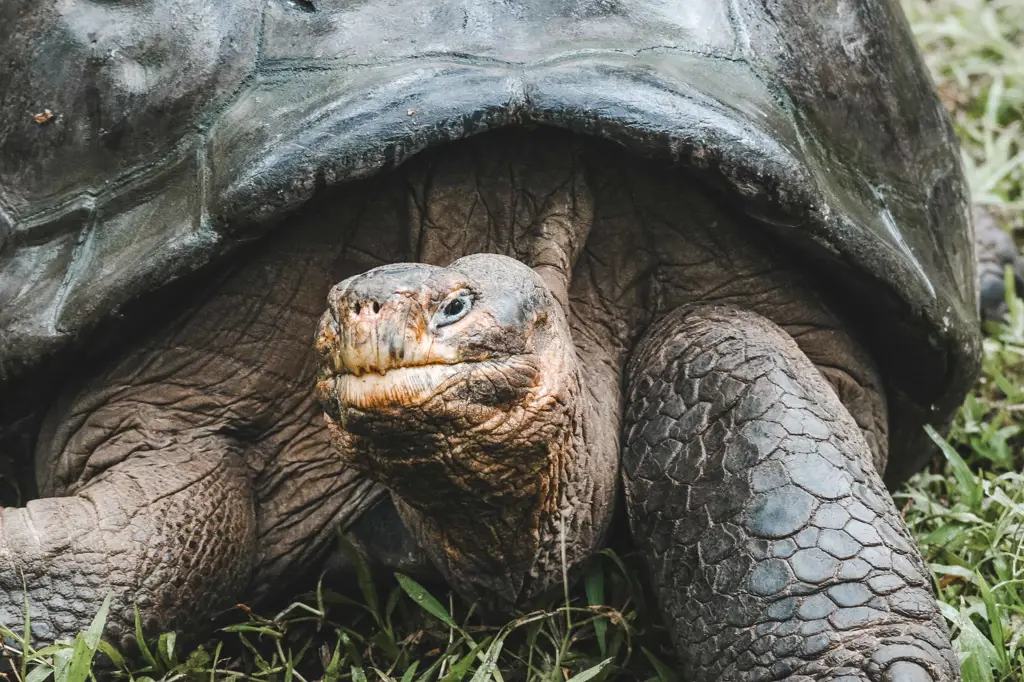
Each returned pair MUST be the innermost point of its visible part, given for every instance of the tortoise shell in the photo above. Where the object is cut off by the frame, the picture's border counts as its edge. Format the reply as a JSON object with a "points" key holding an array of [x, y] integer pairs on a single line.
{"points": [[142, 142]]}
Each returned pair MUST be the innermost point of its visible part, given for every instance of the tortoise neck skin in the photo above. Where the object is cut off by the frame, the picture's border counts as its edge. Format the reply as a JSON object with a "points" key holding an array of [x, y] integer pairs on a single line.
{"points": [[459, 389]]}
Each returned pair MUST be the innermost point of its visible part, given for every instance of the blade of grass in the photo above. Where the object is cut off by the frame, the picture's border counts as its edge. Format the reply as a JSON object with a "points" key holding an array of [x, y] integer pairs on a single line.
{"points": [[86, 643], [590, 672], [969, 486], [147, 655], [426, 601]]}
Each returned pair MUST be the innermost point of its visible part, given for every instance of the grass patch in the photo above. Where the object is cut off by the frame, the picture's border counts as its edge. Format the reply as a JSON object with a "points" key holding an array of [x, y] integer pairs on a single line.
{"points": [[966, 511], [975, 51], [399, 632]]}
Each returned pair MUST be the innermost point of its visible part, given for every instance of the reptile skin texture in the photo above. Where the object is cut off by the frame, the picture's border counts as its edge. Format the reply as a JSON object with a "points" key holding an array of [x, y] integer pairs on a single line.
{"points": [[161, 528], [773, 547]]}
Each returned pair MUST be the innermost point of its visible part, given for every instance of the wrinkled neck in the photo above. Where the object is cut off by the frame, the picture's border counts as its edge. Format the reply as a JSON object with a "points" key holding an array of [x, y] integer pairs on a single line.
{"points": [[504, 540], [497, 502]]}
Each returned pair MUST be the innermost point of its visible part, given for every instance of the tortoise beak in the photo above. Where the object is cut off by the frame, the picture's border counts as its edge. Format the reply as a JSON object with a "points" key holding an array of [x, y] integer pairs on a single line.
{"points": [[380, 321], [376, 334]]}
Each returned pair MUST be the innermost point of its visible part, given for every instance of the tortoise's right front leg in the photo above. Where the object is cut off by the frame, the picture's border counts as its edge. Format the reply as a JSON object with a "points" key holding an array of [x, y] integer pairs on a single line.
{"points": [[170, 527], [774, 548]]}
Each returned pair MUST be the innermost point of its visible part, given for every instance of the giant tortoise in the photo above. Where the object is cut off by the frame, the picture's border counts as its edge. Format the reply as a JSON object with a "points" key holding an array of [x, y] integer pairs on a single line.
{"points": [[721, 247]]}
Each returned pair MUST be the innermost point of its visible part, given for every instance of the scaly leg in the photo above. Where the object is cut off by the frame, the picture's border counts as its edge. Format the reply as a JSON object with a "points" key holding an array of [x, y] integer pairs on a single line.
{"points": [[773, 546], [170, 529]]}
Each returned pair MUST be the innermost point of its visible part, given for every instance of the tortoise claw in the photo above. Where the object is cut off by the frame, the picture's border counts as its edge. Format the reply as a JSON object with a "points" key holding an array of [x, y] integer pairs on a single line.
{"points": [[907, 671]]}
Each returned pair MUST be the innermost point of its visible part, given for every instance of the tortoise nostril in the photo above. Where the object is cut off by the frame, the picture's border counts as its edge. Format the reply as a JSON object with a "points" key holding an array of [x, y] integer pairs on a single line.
{"points": [[366, 307]]}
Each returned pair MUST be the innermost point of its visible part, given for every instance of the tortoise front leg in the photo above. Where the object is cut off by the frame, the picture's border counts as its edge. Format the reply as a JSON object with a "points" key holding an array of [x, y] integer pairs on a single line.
{"points": [[772, 544], [171, 529]]}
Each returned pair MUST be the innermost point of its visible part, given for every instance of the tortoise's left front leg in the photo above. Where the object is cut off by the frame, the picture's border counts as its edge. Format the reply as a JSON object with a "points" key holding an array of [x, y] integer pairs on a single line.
{"points": [[773, 546]]}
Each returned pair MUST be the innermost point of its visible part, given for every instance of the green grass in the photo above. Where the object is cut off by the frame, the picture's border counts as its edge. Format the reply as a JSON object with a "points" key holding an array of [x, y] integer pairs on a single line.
{"points": [[975, 50], [967, 514], [967, 510], [394, 632]]}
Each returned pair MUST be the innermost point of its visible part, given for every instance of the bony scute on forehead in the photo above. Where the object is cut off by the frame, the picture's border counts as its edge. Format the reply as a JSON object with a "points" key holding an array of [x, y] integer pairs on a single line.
{"points": [[516, 294], [494, 272]]}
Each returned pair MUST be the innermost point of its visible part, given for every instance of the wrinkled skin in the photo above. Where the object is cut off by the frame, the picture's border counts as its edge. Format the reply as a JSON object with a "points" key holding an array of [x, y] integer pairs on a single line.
{"points": [[641, 326]]}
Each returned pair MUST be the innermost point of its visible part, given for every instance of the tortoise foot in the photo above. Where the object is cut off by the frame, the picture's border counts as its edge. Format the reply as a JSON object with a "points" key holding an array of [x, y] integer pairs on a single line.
{"points": [[996, 251]]}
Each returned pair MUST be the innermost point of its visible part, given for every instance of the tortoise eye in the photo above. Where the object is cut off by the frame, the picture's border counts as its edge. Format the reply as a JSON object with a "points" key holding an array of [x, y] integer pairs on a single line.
{"points": [[453, 310], [454, 307]]}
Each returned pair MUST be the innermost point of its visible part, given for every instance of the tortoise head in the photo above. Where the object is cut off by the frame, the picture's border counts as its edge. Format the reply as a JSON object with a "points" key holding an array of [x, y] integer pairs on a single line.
{"points": [[401, 336], [431, 373], [458, 389]]}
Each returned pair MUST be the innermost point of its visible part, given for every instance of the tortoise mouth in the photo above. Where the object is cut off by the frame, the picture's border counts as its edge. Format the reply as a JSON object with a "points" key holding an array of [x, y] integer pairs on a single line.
{"points": [[398, 387]]}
